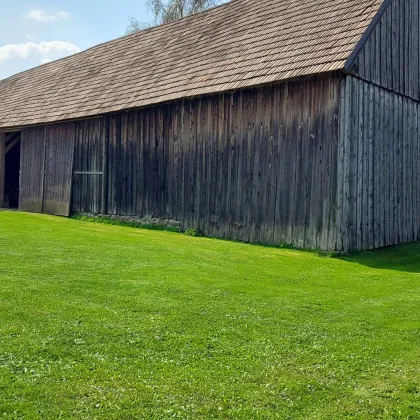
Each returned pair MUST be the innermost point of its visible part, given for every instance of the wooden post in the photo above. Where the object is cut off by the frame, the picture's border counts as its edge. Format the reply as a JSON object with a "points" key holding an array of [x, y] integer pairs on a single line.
{"points": [[2, 166]]}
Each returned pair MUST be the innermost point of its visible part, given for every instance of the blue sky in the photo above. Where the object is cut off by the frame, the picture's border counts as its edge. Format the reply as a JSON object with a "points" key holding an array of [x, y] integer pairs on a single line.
{"points": [[34, 32]]}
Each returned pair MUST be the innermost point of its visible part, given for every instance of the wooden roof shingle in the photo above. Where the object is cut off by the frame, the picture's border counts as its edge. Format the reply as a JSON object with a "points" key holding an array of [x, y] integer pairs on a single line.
{"points": [[239, 44]]}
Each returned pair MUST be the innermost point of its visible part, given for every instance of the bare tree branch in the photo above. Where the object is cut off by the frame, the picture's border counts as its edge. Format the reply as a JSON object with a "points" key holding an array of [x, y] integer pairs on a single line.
{"points": [[170, 10]]}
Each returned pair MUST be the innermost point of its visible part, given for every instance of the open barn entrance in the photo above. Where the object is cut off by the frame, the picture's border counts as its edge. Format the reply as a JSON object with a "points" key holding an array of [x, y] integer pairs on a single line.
{"points": [[12, 170]]}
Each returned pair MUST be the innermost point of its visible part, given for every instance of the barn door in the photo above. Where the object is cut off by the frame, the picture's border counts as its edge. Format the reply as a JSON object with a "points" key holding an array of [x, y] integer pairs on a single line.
{"points": [[88, 192], [59, 155], [32, 159], [46, 169]]}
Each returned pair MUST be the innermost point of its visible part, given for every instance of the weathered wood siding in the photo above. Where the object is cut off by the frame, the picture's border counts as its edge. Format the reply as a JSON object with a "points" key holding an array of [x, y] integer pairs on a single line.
{"points": [[88, 166], [379, 194], [390, 57], [2, 167], [379, 191], [46, 166], [256, 165], [32, 164], [59, 153]]}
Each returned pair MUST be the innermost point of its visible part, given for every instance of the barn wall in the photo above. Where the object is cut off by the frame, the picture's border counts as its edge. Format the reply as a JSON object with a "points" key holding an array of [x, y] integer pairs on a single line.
{"points": [[390, 57], [256, 165], [379, 191]]}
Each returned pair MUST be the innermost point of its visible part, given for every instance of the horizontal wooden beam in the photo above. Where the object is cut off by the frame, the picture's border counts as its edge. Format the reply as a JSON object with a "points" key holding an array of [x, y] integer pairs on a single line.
{"points": [[87, 173], [21, 127]]}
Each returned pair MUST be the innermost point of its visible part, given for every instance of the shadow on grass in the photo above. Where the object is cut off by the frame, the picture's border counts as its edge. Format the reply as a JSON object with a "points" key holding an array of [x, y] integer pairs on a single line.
{"points": [[404, 257]]}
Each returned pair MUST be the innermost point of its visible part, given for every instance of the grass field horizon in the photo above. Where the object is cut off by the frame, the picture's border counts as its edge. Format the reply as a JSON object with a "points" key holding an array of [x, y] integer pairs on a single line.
{"points": [[102, 321]]}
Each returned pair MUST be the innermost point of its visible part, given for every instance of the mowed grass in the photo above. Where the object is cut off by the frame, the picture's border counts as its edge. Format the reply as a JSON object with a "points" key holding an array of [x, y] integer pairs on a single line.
{"points": [[109, 322]]}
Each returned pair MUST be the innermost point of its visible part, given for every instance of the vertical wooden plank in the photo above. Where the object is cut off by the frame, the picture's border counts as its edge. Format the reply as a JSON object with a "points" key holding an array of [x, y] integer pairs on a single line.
{"points": [[416, 174], [131, 128], [401, 37], [221, 174], [177, 188], [340, 166], [275, 170], [399, 169], [409, 166], [415, 63], [404, 169], [214, 171], [352, 165], [346, 209], [58, 168], [231, 155], [207, 179], [364, 173], [360, 140], [2, 167], [297, 212], [140, 152], [249, 164], [169, 172], [193, 164], [313, 157], [32, 167], [389, 221], [325, 144], [394, 13], [378, 208], [265, 212], [332, 168], [161, 162], [255, 153], [105, 165], [200, 194], [292, 138], [189, 155]]}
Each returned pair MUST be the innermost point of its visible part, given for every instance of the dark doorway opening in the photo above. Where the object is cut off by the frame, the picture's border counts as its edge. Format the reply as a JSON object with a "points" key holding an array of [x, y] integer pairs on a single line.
{"points": [[12, 170]]}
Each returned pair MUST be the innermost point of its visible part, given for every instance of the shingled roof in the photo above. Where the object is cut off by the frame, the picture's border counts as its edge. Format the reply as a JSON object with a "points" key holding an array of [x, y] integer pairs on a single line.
{"points": [[239, 44]]}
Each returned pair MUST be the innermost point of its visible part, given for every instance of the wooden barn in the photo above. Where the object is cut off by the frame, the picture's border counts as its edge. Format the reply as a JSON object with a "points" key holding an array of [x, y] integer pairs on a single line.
{"points": [[293, 121]]}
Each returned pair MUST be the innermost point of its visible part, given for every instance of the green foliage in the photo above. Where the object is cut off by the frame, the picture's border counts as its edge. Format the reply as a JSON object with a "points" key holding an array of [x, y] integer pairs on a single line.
{"points": [[194, 232], [100, 321]]}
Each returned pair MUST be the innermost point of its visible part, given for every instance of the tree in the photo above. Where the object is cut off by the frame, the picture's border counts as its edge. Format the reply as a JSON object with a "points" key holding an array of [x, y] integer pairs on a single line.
{"points": [[170, 10], [135, 25]]}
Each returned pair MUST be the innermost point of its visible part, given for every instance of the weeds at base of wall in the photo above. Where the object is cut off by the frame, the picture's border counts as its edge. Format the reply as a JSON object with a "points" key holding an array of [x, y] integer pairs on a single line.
{"points": [[116, 222], [319, 252], [197, 233]]}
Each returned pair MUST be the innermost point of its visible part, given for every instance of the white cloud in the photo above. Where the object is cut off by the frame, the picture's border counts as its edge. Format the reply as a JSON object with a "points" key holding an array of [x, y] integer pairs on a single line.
{"points": [[45, 50], [46, 60], [43, 16]]}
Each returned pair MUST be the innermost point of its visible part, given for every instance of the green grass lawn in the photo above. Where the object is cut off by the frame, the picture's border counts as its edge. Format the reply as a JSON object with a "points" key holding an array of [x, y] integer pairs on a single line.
{"points": [[100, 321]]}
